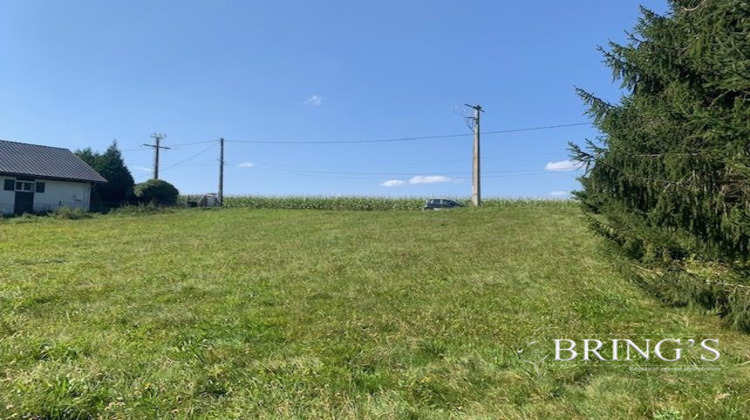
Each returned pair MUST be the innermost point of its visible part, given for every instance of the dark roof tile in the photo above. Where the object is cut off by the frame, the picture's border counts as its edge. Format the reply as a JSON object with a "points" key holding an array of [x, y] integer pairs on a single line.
{"points": [[44, 162]]}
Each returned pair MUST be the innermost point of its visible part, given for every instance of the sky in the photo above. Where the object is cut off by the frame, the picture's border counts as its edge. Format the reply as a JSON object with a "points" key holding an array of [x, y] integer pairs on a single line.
{"points": [[300, 89]]}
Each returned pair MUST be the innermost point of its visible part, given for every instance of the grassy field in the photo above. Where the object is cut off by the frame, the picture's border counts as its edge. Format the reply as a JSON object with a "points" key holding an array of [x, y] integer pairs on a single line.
{"points": [[271, 314]]}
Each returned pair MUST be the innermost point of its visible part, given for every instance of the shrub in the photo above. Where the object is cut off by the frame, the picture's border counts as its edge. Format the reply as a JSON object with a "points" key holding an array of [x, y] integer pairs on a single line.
{"points": [[66, 213], [156, 192]]}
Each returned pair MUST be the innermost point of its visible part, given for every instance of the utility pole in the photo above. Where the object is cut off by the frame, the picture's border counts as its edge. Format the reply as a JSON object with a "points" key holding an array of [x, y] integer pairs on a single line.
{"points": [[476, 191], [221, 172], [158, 137]]}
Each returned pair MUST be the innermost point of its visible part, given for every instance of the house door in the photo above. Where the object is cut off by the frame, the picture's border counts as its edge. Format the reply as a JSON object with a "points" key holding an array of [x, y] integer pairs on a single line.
{"points": [[24, 202]]}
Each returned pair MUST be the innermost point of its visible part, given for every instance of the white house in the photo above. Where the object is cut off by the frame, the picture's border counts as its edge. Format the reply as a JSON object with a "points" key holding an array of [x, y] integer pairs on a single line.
{"points": [[36, 179]]}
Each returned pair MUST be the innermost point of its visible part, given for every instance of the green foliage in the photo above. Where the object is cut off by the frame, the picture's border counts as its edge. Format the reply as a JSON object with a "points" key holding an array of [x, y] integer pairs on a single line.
{"points": [[668, 414], [66, 213], [669, 180], [24, 218], [157, 192], [62, 213], [118, 190]]}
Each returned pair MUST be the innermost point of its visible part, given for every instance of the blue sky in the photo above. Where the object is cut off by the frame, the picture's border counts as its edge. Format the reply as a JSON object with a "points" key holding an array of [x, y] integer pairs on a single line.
{"points": [[80, 74]]}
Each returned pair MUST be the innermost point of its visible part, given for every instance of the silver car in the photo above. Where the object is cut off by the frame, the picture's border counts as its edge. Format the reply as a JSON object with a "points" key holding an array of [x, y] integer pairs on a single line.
{"points": [[440, 203]]}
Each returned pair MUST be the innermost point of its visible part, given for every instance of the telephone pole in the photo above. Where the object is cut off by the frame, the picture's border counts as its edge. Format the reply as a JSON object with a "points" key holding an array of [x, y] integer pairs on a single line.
{"points": [[476, 191], [221, 172], [158, 137]]}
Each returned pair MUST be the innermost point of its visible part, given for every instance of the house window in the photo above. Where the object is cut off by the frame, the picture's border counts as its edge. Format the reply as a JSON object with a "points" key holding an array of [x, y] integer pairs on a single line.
{"points": [[24, 186]]}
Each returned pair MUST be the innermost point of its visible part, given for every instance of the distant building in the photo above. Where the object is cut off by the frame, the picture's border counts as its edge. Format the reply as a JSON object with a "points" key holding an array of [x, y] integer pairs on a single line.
{"points": [[36, 179]]}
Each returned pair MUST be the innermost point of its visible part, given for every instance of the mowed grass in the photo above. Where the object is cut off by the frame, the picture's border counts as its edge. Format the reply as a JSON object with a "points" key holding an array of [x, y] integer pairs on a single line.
{"points": [[271, 314]]}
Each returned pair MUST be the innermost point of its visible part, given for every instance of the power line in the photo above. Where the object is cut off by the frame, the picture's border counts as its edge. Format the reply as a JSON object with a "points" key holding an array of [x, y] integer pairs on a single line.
{"points": [[195, 142], [191, 157], [339, 167], [408, 139], [318, 174], [532, 173], [402, 165], [393, 140], [547, 127], [313, 173], [277, 169], [173, 146], [198, 164], [403, 139]]}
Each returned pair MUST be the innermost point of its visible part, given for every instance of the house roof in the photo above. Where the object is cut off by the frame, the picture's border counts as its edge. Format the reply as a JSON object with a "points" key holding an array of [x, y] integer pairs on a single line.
{"points": [[24, 159]]}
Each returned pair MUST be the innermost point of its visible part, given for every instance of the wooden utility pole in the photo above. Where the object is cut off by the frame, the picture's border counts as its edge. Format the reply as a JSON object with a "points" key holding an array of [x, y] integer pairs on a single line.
{"points": [[158, 137], [221, 172], [476, 190]]}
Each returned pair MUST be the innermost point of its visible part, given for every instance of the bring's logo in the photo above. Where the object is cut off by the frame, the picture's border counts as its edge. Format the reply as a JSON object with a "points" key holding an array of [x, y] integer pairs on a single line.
{"points": [[625, 350]]}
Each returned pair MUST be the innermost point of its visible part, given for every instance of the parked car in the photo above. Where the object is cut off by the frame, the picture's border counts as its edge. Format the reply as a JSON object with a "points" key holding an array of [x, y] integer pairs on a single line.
{"points": [[440, 203]]}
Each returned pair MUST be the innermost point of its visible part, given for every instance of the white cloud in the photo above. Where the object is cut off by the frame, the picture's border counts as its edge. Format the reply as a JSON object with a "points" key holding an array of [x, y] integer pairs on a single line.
{"points": [[144, 169], [393, 183], [563, 166], [419, 179], [431, 179], [559, 193], [246, 165], [314, 100]]}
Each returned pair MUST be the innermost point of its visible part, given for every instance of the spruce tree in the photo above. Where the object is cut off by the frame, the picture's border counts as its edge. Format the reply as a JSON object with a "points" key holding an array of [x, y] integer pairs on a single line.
{"points": [[668, 182], [119, 187]]}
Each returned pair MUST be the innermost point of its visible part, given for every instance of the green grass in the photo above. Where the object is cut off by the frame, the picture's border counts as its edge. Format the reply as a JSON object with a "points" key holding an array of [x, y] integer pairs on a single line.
{"points": [[241, 313]]}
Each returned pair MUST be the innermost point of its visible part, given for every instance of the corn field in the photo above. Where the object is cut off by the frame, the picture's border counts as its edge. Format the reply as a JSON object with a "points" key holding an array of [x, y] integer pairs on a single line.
{"points": [[367, 203]]}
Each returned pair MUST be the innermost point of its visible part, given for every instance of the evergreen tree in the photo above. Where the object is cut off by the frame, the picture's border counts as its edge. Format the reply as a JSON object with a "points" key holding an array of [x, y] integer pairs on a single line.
{"points": [[119, 187], [669, 180]]}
